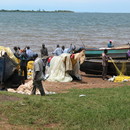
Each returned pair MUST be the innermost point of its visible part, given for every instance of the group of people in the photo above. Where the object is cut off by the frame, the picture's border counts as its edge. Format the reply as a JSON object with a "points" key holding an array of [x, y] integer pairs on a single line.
{"points": [[59, 50], [24, 55], [27, 54]]}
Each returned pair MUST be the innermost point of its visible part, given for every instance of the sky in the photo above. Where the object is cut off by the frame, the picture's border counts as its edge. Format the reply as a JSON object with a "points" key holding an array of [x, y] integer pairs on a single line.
{"points": [[112, 6]]}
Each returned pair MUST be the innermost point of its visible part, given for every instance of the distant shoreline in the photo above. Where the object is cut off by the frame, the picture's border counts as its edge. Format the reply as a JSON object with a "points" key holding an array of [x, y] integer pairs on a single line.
{"points": [[60, 11], [55, 11]]}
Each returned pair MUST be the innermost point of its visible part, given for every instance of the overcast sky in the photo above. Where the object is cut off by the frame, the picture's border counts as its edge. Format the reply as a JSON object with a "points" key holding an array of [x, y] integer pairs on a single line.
{"points": [[122, 6]]}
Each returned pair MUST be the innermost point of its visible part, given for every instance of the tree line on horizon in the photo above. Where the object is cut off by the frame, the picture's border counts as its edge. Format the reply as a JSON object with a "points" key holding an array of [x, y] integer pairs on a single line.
{"points": [[3, 10]]}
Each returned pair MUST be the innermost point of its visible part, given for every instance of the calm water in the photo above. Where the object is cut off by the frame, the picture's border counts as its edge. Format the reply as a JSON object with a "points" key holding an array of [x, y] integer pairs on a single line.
{"points": [[90, 29]]}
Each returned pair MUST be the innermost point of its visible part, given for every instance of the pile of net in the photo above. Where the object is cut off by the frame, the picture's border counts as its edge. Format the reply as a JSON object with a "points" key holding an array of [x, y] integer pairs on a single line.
{"points": [[27, 88], [120, 78]]}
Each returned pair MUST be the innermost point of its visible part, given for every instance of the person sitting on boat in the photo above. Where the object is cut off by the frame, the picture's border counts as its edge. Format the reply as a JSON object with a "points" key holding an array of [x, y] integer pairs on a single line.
{"points": [[128, 54], [109, 45], [105, 58]]}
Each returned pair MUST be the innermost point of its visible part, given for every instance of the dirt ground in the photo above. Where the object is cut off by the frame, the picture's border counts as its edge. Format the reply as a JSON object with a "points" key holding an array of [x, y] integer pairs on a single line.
{"points": [[88, 81]]}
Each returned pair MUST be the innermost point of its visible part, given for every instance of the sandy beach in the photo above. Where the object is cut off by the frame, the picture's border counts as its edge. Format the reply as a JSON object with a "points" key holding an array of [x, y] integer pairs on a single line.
{"points": [[88, 82]]}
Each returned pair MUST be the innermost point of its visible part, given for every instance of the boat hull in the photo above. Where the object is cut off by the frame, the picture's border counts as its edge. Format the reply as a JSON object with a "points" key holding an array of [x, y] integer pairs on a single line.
{"points": [[7, 67], [94, 66], [115, 53]]}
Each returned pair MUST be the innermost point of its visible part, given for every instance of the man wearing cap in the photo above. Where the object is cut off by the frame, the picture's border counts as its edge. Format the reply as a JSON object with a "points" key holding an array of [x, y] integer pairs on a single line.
{"points": [[109, 45]]}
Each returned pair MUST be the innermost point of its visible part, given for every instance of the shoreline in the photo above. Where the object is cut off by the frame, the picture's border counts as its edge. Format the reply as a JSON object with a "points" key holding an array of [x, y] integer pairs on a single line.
{"points": [[89, 81], [42, 11]]}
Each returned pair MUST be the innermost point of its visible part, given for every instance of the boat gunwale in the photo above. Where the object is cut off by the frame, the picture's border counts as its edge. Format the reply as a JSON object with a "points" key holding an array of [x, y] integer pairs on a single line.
{"points": [[101, 49]]}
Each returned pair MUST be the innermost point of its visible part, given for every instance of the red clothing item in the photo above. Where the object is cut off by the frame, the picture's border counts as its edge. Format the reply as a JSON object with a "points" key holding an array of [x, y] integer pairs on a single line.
{"points": [[72, 56], [49, 59]]}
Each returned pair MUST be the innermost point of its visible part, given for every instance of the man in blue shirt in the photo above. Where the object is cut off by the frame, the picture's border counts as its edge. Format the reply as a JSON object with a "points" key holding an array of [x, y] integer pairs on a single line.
{"points": [[58, 51], [70, 49], [29, 53], [110, 44]]}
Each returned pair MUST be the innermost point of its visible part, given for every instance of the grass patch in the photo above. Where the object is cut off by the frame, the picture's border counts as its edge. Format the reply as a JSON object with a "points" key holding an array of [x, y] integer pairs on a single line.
{"points": [[101, 108]]}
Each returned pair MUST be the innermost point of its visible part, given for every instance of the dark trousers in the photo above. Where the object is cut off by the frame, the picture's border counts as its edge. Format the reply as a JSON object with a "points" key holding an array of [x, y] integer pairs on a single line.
{"points": [[38, 84], [24, 69], [104, 72]]}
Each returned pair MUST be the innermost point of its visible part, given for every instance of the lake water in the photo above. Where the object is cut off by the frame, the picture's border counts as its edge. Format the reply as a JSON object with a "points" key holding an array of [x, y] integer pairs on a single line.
{"points": [[89, 29]]}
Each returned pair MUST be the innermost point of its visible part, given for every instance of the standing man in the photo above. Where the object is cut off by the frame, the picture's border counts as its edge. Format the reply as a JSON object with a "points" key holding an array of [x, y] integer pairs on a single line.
{"points": [[105, 58], [44, 51], [29, 53], [23, 63], [58, 51], [38, 75], [44, 55]]}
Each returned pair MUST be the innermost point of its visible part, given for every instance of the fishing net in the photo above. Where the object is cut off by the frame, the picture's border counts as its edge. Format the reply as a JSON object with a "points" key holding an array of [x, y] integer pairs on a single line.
{"points": [[121, 77]]}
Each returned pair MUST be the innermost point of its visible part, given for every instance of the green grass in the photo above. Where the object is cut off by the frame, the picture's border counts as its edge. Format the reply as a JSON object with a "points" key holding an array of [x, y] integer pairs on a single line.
{"points": [[100, 109]]}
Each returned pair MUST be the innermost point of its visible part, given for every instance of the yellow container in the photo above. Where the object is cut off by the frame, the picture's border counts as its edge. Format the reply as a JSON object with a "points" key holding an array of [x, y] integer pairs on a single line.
{"points": [[30, 66]]}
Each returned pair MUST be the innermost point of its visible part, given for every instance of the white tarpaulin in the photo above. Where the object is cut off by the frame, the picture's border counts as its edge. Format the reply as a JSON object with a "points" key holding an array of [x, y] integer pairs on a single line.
{"points": [[62, 66], [57, 69]]}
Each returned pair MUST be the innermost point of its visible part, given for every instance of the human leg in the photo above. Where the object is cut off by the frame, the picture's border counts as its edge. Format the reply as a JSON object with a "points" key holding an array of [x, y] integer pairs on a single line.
{"points": [[40, 87], [34, 87], [104, 72], [25, 72]]}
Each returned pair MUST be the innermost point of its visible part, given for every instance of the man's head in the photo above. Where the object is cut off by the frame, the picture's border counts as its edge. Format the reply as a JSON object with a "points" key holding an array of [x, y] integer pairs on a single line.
{"points": [[43, 45], [35, 56], [110, 41], [63, 47], [28, 47], [105, 51], [15, 48]]}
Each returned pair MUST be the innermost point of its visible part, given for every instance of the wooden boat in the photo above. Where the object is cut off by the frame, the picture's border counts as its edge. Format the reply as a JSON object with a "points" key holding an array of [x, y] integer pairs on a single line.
{"points": [[115, 52], [7, 67], [94, 66]]}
